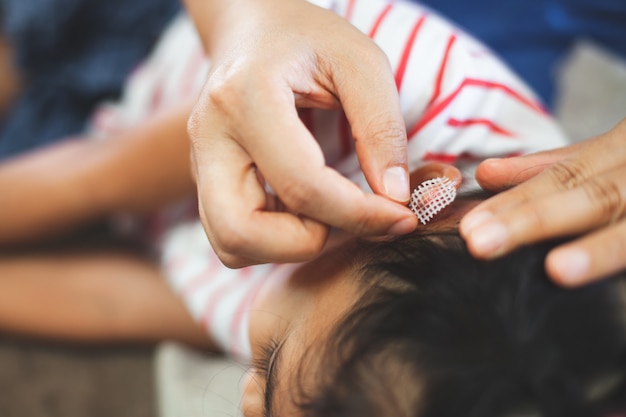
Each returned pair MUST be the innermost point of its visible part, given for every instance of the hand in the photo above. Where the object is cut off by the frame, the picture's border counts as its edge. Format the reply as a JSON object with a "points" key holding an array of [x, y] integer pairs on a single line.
{"points": [[271, 58], [577, 190]]}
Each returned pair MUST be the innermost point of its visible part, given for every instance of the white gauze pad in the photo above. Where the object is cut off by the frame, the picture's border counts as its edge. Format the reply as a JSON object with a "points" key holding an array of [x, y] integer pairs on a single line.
{"points": [[431, 196]]}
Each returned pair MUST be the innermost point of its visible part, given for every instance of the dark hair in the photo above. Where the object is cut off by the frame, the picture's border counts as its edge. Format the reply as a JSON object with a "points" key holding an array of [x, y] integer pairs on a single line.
{"points": [[439, 333]]}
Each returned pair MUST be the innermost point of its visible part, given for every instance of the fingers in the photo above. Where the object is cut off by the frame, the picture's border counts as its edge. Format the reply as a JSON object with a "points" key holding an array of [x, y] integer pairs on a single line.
{"points": [[583, 160], [232, 209], [594, 203], [373, 110], [293, 164], [587, 259], [549, 175], [247, 118], [585, 192], [233, 203], [499, 174]]}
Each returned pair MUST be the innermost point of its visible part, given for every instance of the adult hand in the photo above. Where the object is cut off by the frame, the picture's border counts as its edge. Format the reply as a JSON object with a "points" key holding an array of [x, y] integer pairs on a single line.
{"points": [[577, 190], [269, 58]]}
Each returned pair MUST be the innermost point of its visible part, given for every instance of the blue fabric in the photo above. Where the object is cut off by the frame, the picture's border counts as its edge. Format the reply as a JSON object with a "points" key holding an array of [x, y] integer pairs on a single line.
{"points": [[532, 36], [75, 53]]}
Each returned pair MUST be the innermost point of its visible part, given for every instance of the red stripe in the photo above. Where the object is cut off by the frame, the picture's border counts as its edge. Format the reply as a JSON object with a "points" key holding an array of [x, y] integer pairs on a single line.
{"points": [[350, 9], [175, 262], [439, 107], [379, 20], [447, 157], [484, 122], [213, 301], [157, 99], [157, 94], [451, 158], [239, 314], [406, 53], [201, 278], [442, 70], [191, 71]]}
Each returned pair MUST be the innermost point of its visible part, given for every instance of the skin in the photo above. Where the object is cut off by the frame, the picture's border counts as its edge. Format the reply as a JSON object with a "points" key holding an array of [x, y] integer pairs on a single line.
{"points": [[576, 190], [11, 81], [269, 58], [92, 295], [299, 311], [80, 292], [69, 288], [60, 188]]}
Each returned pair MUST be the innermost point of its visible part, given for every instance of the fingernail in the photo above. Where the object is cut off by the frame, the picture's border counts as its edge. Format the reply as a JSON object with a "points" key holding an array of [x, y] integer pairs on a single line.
{"points": [[396, 183], [402, 227], [473, 220], [569, 265], [489, 239]]}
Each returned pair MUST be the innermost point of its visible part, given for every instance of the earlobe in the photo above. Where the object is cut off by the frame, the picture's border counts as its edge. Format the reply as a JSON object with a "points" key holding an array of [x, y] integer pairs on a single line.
{"points": [[432, 170]]}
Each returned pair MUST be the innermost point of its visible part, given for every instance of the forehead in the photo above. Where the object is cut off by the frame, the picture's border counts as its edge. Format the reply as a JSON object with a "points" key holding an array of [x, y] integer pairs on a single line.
{"points": [[308, 340]]}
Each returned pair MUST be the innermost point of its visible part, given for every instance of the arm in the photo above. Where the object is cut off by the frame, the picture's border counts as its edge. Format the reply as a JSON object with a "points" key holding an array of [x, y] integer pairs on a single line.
{"points": [[81, 180]]}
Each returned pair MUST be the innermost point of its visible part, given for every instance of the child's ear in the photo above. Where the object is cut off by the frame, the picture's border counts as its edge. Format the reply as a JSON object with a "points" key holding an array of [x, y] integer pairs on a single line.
{"points": [[432, 170]]}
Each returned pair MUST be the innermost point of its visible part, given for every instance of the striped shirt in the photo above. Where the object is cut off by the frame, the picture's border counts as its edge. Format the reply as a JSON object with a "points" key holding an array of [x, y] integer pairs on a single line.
{"points": [[460, 105]]}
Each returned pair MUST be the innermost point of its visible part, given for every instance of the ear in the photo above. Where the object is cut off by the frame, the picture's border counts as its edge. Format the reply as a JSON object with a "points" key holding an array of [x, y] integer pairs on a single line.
{"points": [[432, 170]]}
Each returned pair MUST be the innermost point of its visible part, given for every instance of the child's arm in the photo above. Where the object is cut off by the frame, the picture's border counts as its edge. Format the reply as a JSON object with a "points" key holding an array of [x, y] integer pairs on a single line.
{"points": [[63, 186]]}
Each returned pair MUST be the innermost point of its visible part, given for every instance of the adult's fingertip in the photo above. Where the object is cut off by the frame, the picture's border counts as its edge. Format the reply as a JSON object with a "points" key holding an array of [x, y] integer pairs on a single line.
{"points": [[488, 240], [492, 175], [396, 184], [568, 267], [402, 227], [472, 220]]}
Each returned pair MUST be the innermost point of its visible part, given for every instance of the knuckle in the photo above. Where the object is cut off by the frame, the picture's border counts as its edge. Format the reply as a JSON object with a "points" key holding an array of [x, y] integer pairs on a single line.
{"points": [[227, 242], [569, 174], [231, 261], [366, 223], [376, 56], [222, 92], [383, 131], [363, 227], [305, 251], [296, 195], [194, 126], [535, 220], [606, 196], [229, 85]]}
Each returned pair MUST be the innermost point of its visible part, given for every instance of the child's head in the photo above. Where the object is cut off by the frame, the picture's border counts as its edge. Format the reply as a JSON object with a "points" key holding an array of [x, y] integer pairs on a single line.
{"points": [[417, 327]]}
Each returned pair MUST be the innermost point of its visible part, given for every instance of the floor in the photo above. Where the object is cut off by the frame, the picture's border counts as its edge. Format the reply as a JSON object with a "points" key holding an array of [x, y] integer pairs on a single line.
{"points": [[51, 380], [43, 380]]}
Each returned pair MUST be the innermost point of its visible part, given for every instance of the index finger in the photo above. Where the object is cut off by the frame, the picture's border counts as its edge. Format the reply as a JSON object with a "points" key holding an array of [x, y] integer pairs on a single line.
{"points": [[373, 111], [551, 173], [233, 211], [292, 162]]}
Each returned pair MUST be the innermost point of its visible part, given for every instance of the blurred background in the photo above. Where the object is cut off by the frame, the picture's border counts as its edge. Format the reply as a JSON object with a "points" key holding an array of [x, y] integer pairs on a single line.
{"points": [[62, 57]]}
